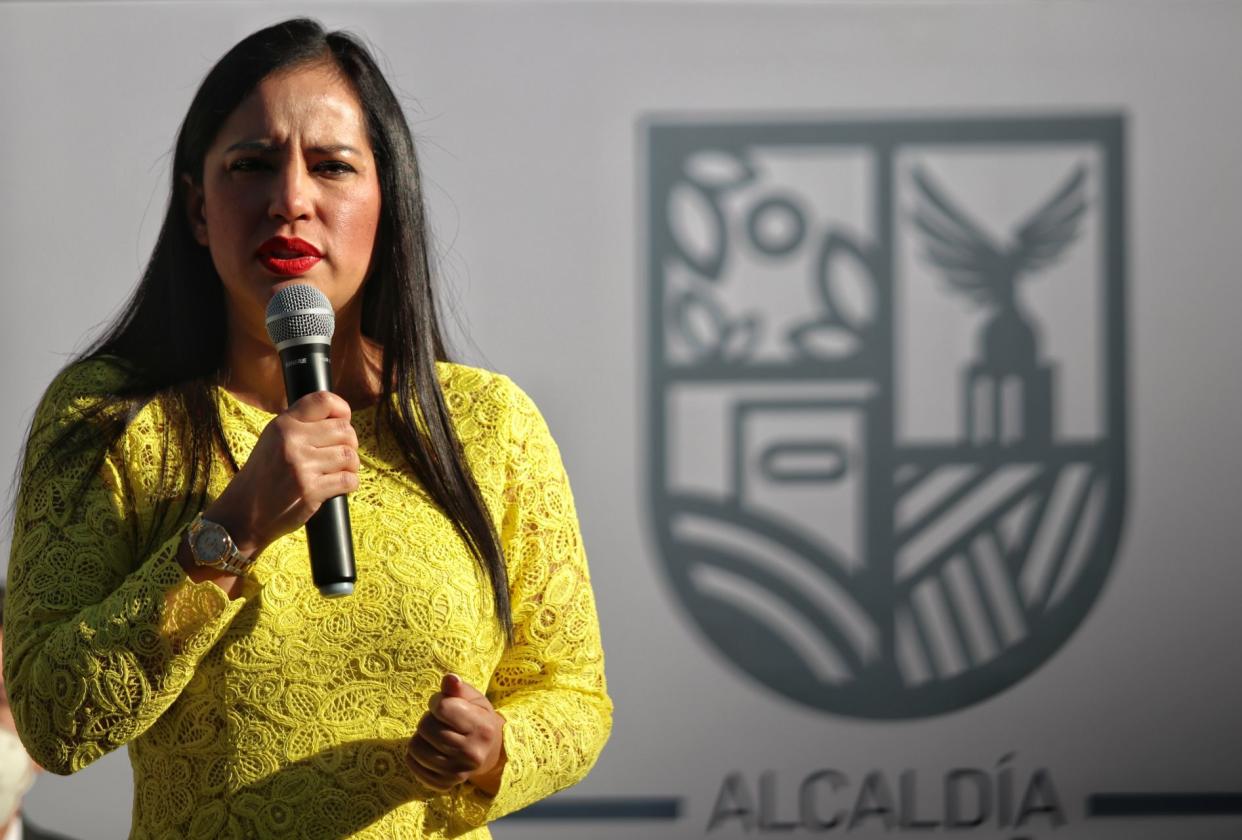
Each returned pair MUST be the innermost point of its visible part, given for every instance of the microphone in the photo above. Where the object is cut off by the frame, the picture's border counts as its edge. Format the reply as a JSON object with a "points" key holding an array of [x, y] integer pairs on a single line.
{"points": [[300, 322]]}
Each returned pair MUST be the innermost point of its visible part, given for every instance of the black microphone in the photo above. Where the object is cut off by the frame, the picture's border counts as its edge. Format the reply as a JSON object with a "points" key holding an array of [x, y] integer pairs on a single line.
{"points": [[300, 322]]}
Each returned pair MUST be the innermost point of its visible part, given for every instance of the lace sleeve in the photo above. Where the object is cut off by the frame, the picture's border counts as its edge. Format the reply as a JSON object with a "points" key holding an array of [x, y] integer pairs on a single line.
{"points": [[98, 641], [549, 686]]}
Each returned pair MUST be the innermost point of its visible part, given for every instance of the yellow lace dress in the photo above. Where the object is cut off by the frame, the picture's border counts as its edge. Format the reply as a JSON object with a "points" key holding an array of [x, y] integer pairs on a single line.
{"points": [[282, 713]]}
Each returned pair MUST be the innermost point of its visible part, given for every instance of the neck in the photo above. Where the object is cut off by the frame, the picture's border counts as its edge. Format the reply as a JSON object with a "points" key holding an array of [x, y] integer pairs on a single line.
{"points": [[254, 373]]}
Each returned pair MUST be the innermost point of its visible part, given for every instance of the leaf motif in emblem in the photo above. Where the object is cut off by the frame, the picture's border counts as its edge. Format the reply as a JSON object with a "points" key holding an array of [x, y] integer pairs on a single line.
{"points": [[698, 228], [715, 169], [700, 323], [847, 285], [824, 341]]}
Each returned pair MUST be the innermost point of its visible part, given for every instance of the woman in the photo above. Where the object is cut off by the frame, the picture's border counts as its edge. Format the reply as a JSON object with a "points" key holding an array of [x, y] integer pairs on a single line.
{"points": [[464, 677]]}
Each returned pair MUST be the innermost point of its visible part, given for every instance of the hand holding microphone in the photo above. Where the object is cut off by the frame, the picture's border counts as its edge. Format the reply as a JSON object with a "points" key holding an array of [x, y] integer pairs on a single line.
{"points": [[306, 459]]}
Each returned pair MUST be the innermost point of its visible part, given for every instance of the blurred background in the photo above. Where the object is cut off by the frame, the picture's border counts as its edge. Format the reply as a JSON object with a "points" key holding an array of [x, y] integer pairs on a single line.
{"points": [[890, 347]]}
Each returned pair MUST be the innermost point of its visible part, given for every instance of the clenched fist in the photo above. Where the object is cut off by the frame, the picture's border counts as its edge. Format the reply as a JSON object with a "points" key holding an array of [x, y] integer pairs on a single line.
{"points": [[461, 738]]}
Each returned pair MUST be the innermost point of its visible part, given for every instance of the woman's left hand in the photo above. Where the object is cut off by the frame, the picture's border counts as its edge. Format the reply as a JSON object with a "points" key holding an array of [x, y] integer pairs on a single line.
{"points": [[461, 738]]}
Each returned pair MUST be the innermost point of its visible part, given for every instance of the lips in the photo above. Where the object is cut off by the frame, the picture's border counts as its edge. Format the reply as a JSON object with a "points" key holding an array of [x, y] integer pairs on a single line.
{"points": [[288, 257]]}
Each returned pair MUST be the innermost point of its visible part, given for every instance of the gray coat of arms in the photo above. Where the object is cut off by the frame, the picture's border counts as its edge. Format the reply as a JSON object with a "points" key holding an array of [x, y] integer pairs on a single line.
{"points": [[886, 403]]}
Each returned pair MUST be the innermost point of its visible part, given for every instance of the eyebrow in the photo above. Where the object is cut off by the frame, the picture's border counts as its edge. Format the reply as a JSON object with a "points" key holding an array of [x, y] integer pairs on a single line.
{"points": [[268, 146]]}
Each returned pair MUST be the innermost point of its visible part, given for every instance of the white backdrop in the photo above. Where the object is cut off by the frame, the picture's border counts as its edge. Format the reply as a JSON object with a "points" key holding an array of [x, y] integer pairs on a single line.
{"points": [[528, 118]]}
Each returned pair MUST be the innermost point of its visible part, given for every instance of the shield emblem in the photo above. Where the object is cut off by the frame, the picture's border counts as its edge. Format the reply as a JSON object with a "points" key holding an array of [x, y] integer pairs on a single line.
{"points": [[886, 396]]}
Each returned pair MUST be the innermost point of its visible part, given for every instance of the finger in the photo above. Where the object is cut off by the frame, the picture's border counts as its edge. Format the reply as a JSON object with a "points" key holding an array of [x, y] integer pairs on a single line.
{"points": [[450, 763], [435, 761], [468, 753], [476, 699], [334, 458], [331, 431], [315, 487], [329, 485], [438, 734], [436, 781], [432, 768], [454, 686], [458, 715], [319, 405]]}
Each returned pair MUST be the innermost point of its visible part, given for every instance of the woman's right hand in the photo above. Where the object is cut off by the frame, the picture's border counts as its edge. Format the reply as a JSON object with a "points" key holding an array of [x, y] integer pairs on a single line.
{"points": [[306, 455]]}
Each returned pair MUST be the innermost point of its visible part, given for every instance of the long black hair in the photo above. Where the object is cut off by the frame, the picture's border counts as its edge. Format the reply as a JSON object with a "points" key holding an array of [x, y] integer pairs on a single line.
{"points": [[168, 339]]}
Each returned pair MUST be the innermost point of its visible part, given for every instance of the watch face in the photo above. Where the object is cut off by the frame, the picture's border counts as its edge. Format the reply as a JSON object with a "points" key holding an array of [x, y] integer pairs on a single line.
{"points": [[210, 545]]}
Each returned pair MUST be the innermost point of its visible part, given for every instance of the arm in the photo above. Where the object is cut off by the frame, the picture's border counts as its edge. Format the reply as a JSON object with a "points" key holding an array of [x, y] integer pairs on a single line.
{"points": [[549, 686], [102, 632]]}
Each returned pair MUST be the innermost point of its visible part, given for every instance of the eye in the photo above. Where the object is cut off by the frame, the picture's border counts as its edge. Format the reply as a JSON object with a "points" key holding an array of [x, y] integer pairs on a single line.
{"points": [[245, 165], [335, 167]]}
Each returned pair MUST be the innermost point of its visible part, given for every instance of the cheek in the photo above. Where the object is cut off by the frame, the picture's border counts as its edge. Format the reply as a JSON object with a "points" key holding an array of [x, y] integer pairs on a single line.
{"points": [[229, 221], [357, 223]]}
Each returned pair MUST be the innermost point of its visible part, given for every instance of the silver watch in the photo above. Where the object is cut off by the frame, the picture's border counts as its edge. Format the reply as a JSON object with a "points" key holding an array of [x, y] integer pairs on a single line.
{"points": [[211, 546]]}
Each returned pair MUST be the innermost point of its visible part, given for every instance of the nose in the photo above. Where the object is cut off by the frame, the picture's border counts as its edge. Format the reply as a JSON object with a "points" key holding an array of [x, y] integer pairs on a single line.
{"points": [[291, 199]]}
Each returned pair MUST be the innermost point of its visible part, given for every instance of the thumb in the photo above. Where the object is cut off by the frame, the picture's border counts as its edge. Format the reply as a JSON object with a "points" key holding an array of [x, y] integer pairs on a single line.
{"points": [[454, 686]]}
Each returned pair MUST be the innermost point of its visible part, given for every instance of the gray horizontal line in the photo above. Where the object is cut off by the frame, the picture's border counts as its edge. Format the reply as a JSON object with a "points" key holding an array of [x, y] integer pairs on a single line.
{"points": [[1164, 804], [612, 808]]}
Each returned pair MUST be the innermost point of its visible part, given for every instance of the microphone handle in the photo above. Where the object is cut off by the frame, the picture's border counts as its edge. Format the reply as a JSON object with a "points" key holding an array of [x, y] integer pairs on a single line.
{"points": [[307, 369]]}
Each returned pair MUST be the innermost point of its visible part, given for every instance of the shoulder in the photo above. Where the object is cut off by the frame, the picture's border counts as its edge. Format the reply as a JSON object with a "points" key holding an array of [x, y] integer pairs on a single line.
{"points": [[82, 393], [480, 390], [466, 381], [94, 411], [477, 397], [85, 382]]}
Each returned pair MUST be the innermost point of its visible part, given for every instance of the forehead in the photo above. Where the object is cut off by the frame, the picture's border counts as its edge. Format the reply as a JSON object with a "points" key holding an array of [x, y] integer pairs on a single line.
{"points": [[314, 103]]}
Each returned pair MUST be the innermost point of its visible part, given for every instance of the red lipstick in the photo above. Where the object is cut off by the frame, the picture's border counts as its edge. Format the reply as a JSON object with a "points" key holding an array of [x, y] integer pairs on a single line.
{"points": [[288, 257]]}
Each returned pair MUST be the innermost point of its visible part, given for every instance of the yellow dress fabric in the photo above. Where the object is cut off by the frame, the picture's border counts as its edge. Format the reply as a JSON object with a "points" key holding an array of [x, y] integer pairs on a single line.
{"points": [[283, 713]]}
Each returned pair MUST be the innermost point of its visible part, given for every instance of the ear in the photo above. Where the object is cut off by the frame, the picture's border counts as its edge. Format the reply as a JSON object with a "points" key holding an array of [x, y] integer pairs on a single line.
{"points": [[194, 209]]}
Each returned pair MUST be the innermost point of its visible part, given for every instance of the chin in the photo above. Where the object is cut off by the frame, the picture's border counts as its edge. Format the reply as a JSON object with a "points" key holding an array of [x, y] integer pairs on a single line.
{"points": [[285, 282]]}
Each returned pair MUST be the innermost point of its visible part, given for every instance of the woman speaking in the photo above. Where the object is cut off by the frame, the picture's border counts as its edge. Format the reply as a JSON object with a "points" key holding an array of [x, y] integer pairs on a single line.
{"points": [[160, 593]]}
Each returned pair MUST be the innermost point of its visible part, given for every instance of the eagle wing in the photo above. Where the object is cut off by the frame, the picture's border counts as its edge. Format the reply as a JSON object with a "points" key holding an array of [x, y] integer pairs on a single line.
{"points": [[1043, 238], [953, 242]]}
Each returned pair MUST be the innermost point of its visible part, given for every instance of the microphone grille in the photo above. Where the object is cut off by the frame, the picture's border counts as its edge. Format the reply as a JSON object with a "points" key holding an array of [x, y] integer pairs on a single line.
{"points": [[299, 315]]}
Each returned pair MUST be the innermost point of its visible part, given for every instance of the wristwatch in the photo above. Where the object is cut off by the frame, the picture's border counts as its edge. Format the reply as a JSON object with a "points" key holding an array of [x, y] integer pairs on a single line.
{"points": [[211, 546]]}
